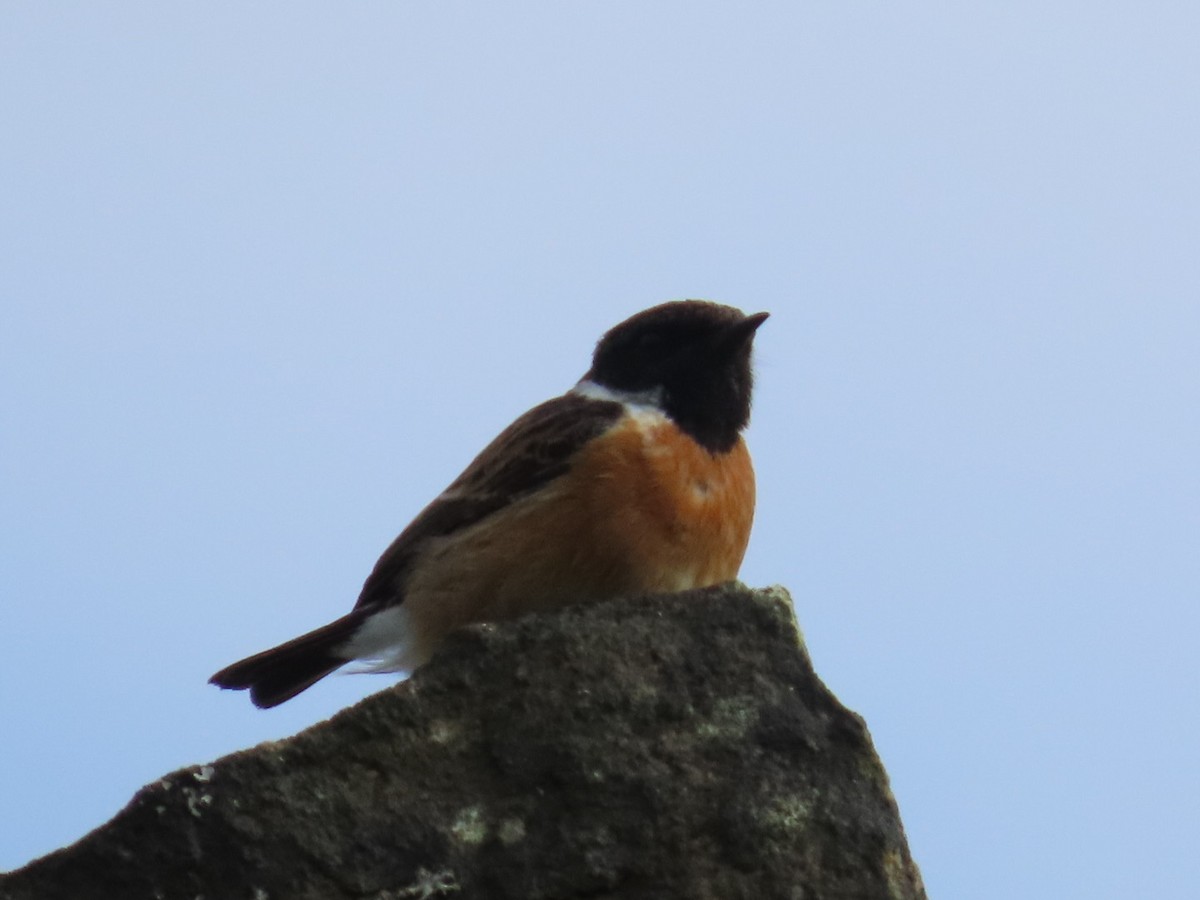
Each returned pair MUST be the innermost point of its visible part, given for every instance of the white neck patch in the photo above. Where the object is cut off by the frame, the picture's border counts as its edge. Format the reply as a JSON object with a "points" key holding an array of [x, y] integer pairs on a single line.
{"points": [[635, 399]]}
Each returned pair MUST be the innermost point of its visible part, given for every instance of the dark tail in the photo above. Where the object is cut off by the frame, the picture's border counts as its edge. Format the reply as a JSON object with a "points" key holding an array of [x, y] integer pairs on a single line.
{"points": [[282, 672]]}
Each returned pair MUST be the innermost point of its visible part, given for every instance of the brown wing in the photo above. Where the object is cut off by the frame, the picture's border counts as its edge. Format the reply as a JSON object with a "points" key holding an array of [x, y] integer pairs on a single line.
{"points": [[529, 453]]}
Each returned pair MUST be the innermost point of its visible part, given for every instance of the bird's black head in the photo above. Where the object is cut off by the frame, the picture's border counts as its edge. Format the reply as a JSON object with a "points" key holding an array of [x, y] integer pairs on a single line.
{"points": [[692, 359]]}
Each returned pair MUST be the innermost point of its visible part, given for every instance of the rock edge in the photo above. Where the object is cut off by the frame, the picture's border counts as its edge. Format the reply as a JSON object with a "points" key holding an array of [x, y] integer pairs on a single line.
{"points": [[675, 746]]}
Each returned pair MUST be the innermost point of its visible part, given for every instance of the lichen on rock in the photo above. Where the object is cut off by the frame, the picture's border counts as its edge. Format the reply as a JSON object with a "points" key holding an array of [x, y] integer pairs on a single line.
{"points": [[653, 747]]}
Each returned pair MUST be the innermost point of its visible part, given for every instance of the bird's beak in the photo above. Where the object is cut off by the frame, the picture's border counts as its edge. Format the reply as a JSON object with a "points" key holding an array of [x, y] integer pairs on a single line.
{"points": [[740, 333]]}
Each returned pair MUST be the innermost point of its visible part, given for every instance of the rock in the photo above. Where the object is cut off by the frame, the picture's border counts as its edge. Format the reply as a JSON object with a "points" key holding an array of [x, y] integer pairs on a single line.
{"points": [[662, 747]]}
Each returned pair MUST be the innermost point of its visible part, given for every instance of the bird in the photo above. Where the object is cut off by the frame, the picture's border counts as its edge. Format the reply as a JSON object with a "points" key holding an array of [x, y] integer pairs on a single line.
{"points": [[635, 481]]}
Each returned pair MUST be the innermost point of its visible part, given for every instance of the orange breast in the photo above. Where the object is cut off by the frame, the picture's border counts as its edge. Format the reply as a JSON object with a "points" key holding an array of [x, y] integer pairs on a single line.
{"points": [[643, 509], [667, 512]]}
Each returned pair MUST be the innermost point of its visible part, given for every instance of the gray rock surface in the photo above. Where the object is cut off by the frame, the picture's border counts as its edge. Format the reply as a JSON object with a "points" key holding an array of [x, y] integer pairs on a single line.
{"points": [[664, 747]]}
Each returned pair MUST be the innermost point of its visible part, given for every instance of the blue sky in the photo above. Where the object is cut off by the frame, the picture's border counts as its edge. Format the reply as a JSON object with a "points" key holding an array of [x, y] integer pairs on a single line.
{"points": [[274, 273]]}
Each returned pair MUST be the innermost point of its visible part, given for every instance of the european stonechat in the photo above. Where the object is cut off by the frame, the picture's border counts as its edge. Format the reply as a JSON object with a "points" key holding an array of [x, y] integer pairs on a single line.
{"points": [[637, 480]]}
